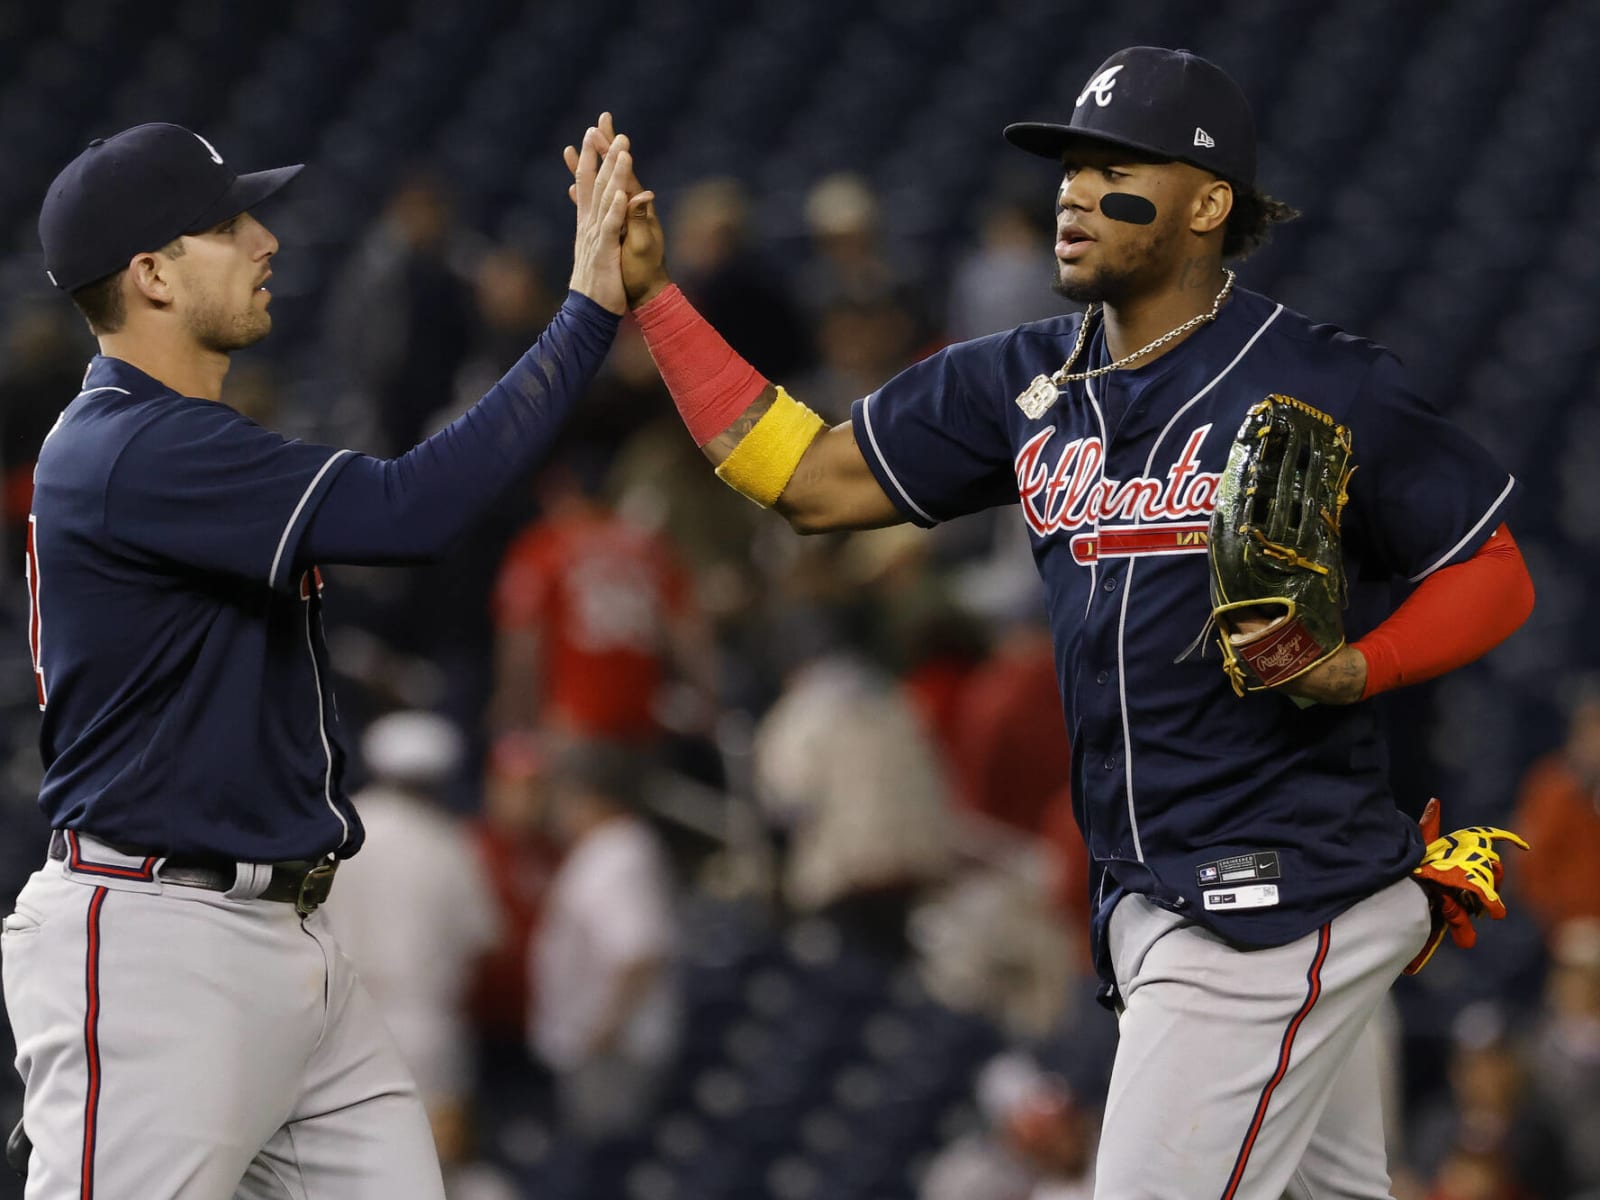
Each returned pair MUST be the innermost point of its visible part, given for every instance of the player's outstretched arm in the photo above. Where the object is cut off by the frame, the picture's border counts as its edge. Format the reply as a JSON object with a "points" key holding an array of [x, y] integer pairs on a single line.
{"points": [[832, 487], [764, 443], [412, 508]]}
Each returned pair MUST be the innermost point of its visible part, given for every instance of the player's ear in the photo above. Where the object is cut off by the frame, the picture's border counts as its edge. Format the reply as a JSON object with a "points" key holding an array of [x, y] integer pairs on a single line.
{"points": [[150, 275], [1212, 204]]}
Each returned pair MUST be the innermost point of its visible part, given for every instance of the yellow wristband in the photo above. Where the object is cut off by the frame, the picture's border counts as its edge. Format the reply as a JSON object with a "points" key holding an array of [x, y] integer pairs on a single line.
{"points": [[765, 459]]}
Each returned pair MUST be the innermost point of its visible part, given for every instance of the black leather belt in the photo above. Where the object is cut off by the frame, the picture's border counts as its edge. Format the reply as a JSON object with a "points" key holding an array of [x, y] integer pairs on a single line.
{"points": [[303, 883]]}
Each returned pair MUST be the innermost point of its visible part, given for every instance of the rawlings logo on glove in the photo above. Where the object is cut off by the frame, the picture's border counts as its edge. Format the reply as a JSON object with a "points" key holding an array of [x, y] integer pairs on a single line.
{"points": [[1461, 873]]}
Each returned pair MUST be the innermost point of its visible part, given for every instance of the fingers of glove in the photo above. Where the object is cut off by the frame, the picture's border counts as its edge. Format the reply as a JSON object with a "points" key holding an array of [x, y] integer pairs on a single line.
{"points": [[1472, 854], [1477, 895], [1488, 834], [1459, 922], [1477, 886], [1470, 845], [1429, 822], [1435, 939]]}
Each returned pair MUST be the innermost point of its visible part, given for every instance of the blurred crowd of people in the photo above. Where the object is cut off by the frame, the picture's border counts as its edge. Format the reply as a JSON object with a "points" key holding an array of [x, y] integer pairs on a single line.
{"points": [[630, 687]]}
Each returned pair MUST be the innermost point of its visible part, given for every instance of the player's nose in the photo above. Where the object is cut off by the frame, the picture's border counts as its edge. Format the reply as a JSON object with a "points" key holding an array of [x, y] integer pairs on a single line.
{"points": [[1073, 193], [264, 244]]}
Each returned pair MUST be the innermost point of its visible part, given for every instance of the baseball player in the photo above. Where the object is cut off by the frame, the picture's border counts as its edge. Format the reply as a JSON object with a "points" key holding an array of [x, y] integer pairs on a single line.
{"points": [[185, 1024], [1250, 871]]}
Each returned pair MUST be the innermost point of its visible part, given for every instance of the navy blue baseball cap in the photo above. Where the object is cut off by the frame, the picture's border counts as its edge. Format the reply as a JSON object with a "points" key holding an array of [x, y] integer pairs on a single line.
{"points": [[138, 191], [1169, 103]]}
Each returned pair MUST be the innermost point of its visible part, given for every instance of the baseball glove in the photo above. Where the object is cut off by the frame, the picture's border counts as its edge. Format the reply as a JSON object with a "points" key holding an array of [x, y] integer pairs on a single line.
{"points": [[1461, 873], [1274, 544]]}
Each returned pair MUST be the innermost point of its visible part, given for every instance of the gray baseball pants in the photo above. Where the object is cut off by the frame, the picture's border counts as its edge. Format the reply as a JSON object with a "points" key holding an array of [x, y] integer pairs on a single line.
{"points": [[1252, 1074], [178, 1044]]}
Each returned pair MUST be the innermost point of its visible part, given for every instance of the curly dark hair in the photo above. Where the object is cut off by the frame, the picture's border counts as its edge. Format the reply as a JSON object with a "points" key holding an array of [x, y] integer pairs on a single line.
{"points": [[1251, 221]]}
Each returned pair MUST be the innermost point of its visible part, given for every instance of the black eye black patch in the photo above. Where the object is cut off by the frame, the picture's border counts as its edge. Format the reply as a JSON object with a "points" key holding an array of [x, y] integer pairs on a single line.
{"points": [[1125, 206]]}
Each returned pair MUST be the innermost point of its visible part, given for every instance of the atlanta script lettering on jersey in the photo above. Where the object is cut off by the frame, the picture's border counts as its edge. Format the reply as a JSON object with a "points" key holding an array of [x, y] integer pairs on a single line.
{"points": [[1073, 493]]}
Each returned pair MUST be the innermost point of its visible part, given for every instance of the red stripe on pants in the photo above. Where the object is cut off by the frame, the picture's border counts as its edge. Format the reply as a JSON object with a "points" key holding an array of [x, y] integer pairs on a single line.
{"points": [[91, 1041], [1313, 990]]}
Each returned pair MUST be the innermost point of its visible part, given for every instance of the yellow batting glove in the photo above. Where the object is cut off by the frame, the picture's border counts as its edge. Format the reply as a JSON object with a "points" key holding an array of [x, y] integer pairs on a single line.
{"points": [[1461, 873]]}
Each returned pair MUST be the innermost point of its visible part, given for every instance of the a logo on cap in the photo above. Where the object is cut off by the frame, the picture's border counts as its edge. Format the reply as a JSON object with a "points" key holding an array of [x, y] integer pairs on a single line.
{"points": [[210, 149], [1202, 138], [1100, 87]]}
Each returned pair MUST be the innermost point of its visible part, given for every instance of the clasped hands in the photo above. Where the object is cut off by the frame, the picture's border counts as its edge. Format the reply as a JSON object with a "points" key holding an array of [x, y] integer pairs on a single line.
{"points": [[618, 253]]}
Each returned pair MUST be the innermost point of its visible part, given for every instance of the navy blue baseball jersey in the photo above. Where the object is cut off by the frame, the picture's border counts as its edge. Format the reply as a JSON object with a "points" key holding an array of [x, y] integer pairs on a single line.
{"points": [[1260, 819], [177, 607]]}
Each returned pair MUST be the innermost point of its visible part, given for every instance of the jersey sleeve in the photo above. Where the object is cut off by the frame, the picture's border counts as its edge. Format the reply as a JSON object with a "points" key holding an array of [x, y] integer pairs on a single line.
{"points": [[204, 486], [1425, 494], [934, 437]]}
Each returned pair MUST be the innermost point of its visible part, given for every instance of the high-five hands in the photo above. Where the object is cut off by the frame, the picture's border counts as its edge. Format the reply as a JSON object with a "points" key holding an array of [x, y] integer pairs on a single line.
{"points": [[642, 243], [604, 191]]}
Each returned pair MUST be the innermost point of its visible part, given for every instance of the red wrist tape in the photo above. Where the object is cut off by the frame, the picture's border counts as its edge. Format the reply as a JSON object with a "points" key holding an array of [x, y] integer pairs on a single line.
{"points": [[709, 382]]}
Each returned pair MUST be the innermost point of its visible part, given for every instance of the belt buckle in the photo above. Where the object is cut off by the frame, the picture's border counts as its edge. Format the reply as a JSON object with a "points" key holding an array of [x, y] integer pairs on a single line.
{"points": [[314, 888]]}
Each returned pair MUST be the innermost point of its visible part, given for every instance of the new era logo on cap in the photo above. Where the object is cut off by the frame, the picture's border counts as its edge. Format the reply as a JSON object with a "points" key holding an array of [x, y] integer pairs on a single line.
{"points": [[1202, 138]]}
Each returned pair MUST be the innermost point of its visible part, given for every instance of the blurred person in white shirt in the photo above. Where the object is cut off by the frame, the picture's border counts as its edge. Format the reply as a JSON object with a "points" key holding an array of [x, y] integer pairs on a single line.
{"points": [[604, 959], [415, 913], [1037, 1142], [845, 772]]}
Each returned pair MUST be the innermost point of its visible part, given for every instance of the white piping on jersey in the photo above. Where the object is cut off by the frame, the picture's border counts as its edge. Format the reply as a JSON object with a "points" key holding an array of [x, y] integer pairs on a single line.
{"points": [[1511, 482], [322, 719], [1100, 419], [283, 541], [866, 419], [80, 396], [1127, 584]]}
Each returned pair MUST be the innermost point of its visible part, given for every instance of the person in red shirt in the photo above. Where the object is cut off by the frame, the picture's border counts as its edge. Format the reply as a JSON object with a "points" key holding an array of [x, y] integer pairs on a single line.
{"points": [[593, 617], [1558, 811], [1011, 749], [519, 860]]}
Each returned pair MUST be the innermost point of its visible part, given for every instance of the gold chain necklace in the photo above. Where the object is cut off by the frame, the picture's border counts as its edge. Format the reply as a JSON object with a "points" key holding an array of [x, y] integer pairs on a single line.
{"points": [[1042, 392]]}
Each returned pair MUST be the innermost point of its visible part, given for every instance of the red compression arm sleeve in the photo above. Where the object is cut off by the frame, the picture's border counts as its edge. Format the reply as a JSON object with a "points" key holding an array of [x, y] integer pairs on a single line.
{"points": [[709, 382], [1456, 614]]}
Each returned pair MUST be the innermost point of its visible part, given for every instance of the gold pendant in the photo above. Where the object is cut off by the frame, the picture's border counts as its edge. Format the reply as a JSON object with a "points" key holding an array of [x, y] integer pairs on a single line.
{"points": [[1041, 394]]}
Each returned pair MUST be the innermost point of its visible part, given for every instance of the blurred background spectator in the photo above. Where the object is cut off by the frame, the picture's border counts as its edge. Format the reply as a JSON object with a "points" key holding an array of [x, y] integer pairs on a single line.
{"points": [[416, 916], [605, 959], [1036, 1142], [42, 358], [997, 285], [1558, 811], [1566, 1059], [400, 317], [855, 862], [846, 775], [1489, 1136], [595, 618]]}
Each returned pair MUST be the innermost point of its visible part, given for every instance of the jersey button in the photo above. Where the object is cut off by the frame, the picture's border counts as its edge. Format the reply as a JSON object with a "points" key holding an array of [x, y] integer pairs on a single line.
{"points": [[1111, 584], [1103, 678], [1111, 763]]}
